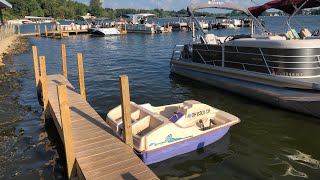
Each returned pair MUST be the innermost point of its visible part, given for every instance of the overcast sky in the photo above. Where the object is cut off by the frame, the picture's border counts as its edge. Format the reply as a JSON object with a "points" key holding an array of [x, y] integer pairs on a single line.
{"points": [[164, 4]]}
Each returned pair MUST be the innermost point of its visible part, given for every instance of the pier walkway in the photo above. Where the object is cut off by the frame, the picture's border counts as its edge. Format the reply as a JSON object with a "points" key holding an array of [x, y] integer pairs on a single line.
{"points": [[92, 150]]}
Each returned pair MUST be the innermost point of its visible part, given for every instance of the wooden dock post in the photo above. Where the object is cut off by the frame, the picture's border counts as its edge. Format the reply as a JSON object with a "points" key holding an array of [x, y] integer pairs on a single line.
{"points": [[43, 70], [53, 31], [46, 30], [35, 28], [126, 112], [66, 129], [81, 77], [64, 61], [36, 65], [39, 30], [61, 35]]}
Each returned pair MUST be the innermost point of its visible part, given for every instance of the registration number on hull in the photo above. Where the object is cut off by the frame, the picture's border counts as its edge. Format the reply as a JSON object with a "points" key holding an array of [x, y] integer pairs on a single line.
{"points": [[199, 113]]}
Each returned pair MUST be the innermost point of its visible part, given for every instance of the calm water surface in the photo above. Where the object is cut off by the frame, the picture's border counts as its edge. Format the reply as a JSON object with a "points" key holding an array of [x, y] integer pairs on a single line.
{"points": [[269, 143]]}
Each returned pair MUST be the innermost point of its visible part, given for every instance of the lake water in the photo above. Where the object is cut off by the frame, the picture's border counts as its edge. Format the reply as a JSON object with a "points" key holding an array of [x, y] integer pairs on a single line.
{"points": [[269, 143]]}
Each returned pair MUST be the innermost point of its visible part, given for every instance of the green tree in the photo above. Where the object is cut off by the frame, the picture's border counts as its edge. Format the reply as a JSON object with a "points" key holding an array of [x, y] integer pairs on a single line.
{"points": [[34, 8], [49, 7], [96, 8]]}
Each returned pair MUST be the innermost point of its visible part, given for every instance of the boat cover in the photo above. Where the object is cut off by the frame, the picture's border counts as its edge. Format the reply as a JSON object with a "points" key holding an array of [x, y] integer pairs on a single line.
{"points": [[287, 6], [217, 4]]}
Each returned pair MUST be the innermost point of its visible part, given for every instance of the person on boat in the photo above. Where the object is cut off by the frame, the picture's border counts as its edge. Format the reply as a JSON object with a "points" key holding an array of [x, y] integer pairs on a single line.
{"points": [[57, 24], [142, 21]]}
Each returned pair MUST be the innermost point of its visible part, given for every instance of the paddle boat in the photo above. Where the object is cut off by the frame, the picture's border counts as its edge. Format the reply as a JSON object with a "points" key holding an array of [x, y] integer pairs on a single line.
{"points": [[160, 133]]}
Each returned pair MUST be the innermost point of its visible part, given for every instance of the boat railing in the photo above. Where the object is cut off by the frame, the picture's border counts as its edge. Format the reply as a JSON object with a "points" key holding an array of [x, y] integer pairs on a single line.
{"points": [[177, 52]]}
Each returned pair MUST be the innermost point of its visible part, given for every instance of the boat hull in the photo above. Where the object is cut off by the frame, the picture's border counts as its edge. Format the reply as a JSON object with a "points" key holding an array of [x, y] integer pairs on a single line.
{"points": [[298, 100], [185, 146], [104, 31]]}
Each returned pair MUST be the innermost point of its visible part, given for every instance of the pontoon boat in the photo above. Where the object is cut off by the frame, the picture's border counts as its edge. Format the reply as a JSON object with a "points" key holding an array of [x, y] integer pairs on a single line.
{"points": [[277, 69], [140, 24]]}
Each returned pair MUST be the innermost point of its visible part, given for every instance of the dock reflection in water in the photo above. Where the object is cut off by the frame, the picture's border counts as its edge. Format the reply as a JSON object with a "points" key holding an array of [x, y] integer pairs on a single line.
{"points": [[269, 143]]}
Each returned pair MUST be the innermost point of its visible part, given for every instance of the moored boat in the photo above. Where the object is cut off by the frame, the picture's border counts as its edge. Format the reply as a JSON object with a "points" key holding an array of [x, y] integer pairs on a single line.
{"points": [[160, 133], [282, 70], [104, 31], [140, 24]]}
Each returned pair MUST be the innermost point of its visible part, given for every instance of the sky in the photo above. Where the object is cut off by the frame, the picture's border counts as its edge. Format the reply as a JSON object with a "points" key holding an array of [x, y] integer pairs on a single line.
{"points": [[163, 4]]}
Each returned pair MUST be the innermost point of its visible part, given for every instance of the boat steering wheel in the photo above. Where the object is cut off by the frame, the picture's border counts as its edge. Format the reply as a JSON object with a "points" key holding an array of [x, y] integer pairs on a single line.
{"points": [[316, 33], [228, 37]]}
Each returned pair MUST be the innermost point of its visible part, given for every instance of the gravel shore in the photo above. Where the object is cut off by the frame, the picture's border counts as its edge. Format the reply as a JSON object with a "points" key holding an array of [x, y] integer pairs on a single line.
{"points": [[5, 46]]}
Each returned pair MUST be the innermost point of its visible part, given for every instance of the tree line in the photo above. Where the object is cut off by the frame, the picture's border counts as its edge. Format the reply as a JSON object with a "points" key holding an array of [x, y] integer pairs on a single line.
{"points": [[70, 9]]}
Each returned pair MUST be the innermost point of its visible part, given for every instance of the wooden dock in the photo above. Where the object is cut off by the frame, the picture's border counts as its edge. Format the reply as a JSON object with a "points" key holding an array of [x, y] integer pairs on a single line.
{"points": [[59, 32], [92, 149]]}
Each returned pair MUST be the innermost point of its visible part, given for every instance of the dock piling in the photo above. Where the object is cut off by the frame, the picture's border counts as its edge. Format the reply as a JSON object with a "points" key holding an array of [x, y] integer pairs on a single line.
{"points": [[36, 65], [81, 77], [46, 30], [64, 61], [66, 129], [126, 112], [61, 35], [45, 96], [39, 30]]}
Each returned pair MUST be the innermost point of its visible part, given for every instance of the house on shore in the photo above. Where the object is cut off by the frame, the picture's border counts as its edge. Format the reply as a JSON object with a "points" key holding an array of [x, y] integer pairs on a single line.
{"points": [[3, 5]]}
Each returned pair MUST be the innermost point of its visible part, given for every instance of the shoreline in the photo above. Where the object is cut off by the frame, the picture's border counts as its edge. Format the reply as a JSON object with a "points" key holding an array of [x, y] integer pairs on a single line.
{"points": [[5, 47]]}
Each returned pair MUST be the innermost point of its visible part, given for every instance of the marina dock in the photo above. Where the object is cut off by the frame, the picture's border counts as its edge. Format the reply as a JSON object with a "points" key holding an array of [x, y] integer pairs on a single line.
{"points": [[92, 150]]}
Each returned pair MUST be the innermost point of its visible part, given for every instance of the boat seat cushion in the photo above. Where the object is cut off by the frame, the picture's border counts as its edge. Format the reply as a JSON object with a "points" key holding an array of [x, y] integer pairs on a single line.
{"points": [[211, 39], [176, 117]]}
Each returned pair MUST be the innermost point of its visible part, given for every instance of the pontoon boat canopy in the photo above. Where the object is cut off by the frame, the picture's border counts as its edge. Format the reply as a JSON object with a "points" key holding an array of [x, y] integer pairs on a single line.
{"points": [[217, 4], [137, 17], [287, 6], [5, 4]]}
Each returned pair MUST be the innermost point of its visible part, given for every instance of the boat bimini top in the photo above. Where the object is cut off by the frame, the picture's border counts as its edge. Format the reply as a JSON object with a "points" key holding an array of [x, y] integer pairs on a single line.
{"points": [[291, 7], [136, 17], [288, 6], [221, 5]]}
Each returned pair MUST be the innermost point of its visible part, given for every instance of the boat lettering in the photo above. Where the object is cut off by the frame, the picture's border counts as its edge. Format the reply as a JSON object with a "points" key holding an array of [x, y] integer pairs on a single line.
{"points": [[214, 2], [289, 74], [200, 113]]}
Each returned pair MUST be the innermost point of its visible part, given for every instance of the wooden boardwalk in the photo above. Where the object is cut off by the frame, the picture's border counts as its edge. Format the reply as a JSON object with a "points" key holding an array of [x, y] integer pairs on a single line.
{"points": [[98, 154]]}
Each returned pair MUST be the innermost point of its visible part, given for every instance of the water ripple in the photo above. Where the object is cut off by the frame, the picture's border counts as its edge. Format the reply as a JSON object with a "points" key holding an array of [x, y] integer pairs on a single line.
{"points": [[302, 158]]}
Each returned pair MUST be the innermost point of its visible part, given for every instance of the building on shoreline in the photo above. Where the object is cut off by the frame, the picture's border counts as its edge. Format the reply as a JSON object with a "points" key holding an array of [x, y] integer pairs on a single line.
{"points": [[3, 5]]}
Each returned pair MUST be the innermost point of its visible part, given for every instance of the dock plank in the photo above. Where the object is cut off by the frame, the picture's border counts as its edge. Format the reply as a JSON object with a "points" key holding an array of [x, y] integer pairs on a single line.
{"points": [[99, 154]]}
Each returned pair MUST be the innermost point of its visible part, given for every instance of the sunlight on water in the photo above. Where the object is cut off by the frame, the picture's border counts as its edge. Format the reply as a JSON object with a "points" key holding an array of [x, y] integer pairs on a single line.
{"points": [[303, 159], [286, 169]]}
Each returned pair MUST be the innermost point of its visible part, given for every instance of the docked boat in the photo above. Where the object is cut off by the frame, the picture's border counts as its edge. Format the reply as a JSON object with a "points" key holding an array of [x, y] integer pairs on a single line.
{"points": [[140, 24], [237, 22], [281, 70], [180, 26], [26, 21], [160, 133], [101, 27], [100, 31], [222, 22]]}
